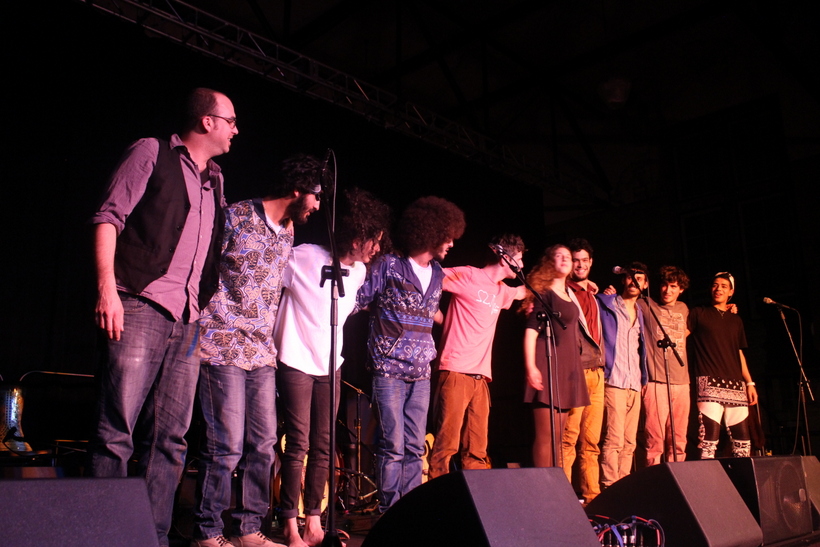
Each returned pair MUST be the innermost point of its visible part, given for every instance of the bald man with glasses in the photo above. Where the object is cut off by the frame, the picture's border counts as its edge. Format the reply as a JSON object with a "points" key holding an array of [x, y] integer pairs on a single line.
{"points": [[158, 234]]}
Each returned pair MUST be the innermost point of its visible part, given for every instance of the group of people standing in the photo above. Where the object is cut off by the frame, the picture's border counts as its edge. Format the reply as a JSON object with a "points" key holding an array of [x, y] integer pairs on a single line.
{"points": [[204, 300], [609, 364], [199, 298]]}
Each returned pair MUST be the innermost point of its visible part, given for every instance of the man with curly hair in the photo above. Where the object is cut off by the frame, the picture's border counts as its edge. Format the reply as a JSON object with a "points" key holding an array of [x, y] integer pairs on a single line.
{"points": [[403, 292], [463, 400], [302, 337], [673, 315], [237, 382]]}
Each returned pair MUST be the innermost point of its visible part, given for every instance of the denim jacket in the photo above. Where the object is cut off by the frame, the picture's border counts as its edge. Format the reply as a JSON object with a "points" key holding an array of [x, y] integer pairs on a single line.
{"points": [[400, 343], [609, 322]]}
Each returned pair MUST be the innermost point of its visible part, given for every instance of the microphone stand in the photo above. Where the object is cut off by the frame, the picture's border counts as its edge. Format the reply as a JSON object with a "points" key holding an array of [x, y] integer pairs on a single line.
{"points": [[334, 274], [546, 317], [803, 384], [665, 343]]}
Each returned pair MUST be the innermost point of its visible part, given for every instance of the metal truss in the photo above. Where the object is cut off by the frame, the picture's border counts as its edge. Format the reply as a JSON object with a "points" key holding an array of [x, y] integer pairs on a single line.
{"points": [[215, 37]]}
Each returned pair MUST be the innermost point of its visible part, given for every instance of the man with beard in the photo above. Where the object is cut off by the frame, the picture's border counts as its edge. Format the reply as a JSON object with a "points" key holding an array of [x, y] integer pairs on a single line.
{"points": [[237, 388], [157, 236], [403, 292], [586, 422], [625, 373]]}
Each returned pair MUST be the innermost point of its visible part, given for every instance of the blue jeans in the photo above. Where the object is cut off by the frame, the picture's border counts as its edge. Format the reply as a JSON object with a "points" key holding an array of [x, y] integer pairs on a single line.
{"points": [[401, 409], [152, 369], [239, 413]]}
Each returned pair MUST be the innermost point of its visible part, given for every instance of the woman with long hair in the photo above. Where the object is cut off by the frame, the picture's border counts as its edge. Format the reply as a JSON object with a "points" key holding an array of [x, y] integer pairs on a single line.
{"points": [[548, 279]]}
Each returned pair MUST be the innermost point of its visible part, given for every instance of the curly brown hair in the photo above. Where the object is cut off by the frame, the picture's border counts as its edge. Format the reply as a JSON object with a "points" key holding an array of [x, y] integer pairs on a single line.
{"points": [[363, 217], [673, 274], [511, 243], [300, 172], [429, 223], [542, 275], [579, 244]]}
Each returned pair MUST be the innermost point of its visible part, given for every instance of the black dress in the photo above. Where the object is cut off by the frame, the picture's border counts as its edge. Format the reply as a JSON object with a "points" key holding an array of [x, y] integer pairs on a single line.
{"points": [[570, 384]]}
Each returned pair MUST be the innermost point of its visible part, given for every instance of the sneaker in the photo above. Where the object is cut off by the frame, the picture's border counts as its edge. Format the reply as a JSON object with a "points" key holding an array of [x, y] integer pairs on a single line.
{"points": [[218, 541], [257, 539]]}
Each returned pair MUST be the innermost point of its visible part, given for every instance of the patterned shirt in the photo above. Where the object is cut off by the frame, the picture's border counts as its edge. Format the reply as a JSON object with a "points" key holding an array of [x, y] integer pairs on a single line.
{"points": [[237, 325], [401, 321], [673, 318]]}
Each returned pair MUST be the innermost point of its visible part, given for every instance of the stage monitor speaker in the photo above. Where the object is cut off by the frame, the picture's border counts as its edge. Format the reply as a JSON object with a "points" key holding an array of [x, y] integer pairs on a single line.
{"points": [[487, 508], [774, 489], [694, 502], [811, 470], [63, 512]]}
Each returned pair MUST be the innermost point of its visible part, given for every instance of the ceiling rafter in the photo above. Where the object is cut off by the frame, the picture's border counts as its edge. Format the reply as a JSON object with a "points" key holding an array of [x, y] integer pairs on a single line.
{"points": [[598, 55], [443, 66], [215, 37], [516, 13], [262, 18], [469, 33], [326, 22]]}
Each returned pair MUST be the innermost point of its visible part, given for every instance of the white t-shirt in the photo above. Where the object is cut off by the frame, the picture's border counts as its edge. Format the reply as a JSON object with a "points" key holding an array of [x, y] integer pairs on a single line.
{"points": [[424, 273], [302, 331]]}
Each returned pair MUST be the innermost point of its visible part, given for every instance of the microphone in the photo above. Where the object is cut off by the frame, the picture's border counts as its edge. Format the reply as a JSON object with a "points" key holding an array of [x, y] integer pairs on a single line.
{"points": [[767, 300], [497, 249], [617, 270], [325, 176]]}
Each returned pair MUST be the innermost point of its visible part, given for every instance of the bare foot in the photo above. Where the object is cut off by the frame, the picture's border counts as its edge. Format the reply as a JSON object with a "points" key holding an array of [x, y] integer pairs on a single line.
{"points": [[292, 537], [314, 533]]}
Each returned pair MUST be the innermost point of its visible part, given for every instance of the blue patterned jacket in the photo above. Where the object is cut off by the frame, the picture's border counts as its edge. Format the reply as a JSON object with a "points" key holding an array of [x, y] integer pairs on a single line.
{"points": [[400, 343]]}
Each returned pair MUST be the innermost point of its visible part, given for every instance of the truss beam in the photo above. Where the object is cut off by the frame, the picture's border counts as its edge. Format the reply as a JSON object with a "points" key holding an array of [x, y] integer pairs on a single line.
{"points": [[198, 30]]}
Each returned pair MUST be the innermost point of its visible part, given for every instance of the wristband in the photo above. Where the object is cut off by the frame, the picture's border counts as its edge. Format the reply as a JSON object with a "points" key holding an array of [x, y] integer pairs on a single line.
{"points": [[749, 384]]}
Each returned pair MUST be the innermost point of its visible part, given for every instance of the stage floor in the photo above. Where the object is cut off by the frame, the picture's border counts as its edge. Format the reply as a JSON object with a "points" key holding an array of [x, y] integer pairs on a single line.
{"points": [[357, 526]]}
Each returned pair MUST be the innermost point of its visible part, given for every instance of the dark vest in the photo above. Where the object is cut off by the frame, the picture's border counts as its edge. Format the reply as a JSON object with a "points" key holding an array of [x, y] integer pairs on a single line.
{"points": [[152, 231]]}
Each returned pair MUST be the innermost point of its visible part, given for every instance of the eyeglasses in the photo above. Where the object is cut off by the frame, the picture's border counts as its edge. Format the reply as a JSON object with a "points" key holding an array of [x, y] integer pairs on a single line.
{"points": [[231, 121]]}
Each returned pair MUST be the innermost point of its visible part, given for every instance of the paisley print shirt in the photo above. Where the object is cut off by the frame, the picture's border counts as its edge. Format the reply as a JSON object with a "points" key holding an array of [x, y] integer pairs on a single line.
{"points": [[400, 344], [237, 326]]}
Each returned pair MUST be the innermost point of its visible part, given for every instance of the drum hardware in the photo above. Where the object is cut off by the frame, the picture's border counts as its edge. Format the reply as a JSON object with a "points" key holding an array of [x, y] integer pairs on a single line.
{"points": [[360, 480]]}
